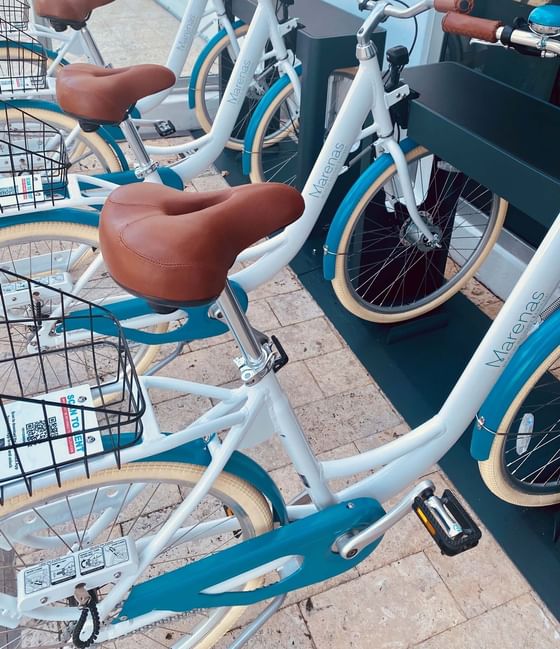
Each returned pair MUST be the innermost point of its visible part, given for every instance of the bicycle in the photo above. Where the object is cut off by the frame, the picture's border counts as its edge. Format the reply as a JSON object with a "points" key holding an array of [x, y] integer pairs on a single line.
{"points": [[219, 54], [64, 239], [243, 545]]}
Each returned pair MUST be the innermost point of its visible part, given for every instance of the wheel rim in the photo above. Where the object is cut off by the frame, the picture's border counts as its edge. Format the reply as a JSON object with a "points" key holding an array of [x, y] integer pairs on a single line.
{"points": [[388, 266], [530, 449], [112, 509]]}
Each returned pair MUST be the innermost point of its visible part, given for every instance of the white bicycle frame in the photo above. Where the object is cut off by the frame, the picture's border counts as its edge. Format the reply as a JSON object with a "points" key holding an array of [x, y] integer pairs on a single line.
{"points": [[255, 412]]}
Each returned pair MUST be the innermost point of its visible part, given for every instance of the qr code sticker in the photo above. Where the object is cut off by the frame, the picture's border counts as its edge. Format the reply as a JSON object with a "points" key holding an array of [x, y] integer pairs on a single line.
{"points": [[38, 431]]}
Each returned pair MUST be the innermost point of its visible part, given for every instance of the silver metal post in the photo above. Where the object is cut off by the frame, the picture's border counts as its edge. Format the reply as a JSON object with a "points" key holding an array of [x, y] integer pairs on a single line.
{"points": [[92, 48], [228, 308], [145, 164]]}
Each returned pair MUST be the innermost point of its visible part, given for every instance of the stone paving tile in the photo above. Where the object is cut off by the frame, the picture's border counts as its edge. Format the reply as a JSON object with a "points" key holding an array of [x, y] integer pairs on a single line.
{"points": [[296, 306], [307, 339], [283, 282], [299, 384], [518, 624], [390, 608], [286, 629], [176, 413], [345, 417], [481, 578], [337, 372]]}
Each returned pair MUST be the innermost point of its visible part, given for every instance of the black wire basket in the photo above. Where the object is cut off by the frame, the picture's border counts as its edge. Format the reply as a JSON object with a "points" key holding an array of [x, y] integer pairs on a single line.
{"points": [[15, 12], [23, 60], [33, 161], [68, 388]]}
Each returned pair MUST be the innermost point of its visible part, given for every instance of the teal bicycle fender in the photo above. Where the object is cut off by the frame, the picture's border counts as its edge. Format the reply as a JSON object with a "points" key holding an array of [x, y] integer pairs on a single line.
{"points": [[263, 105], [310, 539], [201, 58], [63, 215], [348, 205], [525, 360]]}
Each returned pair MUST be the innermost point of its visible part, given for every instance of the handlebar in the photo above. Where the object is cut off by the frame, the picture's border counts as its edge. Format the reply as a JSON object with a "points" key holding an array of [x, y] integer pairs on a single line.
{"points": [[381, 10], [494, 31]]}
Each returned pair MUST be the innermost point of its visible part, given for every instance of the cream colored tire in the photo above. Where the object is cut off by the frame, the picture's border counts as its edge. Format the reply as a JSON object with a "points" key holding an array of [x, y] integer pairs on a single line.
{"points": [[143, 355], [103, 152], [340, 284], [492, 469], [229, 488], [261, 141]]}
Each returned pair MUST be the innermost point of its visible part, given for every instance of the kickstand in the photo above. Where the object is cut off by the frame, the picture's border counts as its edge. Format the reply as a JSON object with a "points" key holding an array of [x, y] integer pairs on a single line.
{"points": [[164, 361]]}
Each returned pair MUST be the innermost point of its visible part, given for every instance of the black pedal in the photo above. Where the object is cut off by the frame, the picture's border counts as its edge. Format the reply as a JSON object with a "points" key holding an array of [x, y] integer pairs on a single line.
{"points": [[447, 521], [165, 128]]}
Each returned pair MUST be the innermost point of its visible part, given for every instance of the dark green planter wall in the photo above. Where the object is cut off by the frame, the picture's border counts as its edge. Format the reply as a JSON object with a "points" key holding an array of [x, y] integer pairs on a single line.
{"points": [[539, 78]]}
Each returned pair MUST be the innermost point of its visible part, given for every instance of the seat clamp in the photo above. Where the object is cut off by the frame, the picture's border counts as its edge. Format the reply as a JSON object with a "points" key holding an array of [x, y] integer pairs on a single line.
{"points": [[142, 171]]}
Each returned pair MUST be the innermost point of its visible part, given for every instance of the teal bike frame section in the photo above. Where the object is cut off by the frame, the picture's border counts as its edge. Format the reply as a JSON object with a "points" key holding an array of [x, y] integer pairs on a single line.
{"points": [[263, 105], [540, 344], [351, 201], [197, 325], [310, 540], [202, 57]]}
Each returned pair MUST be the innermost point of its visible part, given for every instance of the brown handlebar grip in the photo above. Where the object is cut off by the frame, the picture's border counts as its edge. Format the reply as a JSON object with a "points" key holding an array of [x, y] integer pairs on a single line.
{"points": [[457, 6], [480, 28]]}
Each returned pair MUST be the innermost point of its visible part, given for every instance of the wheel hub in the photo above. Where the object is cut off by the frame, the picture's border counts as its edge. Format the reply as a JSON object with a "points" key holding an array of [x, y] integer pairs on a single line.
{"points": [[411, 236]]}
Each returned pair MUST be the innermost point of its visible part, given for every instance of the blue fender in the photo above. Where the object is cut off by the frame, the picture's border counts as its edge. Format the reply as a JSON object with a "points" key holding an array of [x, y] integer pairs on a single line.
{"points": [[540, 344], [263, 105], [201, 58], [64, 215], [351, 200], [104, 132]]}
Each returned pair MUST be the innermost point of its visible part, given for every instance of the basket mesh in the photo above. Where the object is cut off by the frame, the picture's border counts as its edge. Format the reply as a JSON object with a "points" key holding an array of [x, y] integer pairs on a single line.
{"points": [[68, 395]]}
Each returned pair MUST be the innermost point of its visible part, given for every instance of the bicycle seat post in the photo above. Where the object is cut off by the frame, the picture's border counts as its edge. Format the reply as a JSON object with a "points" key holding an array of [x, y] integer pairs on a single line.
{"points": [[145, 165], [255, 358]]}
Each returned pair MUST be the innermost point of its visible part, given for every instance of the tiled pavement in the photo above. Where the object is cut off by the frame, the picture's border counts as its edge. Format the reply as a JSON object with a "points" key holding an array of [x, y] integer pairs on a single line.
{"points": [[405, 594]]}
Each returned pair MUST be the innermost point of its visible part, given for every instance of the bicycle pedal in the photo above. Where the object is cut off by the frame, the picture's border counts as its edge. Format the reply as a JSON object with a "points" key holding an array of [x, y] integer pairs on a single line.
{"points": [[165, 128], [447, 521]]}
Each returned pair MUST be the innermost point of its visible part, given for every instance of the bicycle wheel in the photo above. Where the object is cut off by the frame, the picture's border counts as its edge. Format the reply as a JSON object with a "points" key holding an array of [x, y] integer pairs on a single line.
{"points": [[274, 146], [89, 153], [523, 467], [218, 65], [135, 501], [385, 271], [60, 252]]}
